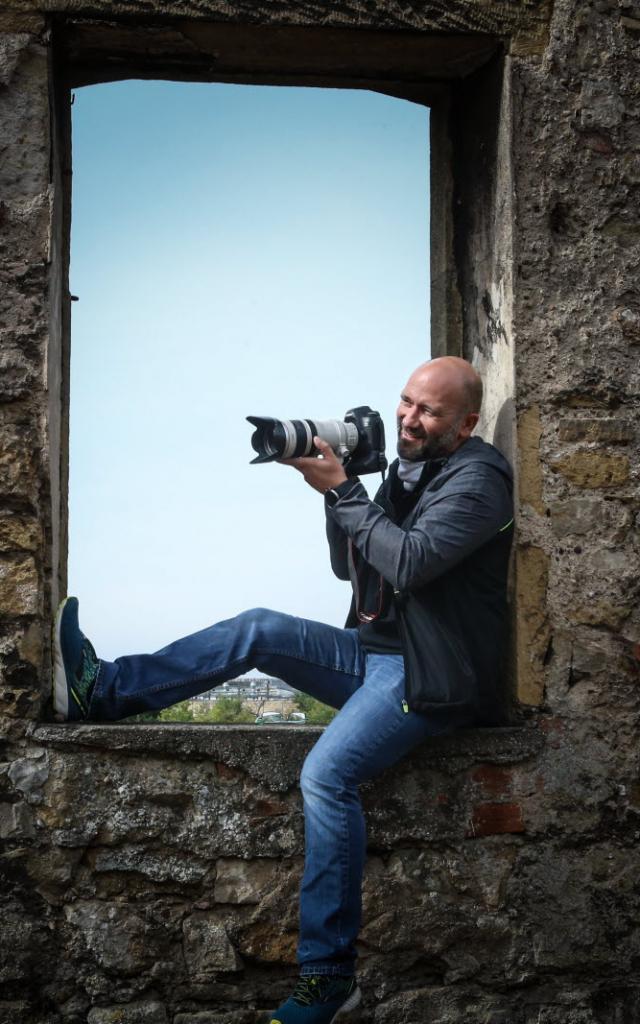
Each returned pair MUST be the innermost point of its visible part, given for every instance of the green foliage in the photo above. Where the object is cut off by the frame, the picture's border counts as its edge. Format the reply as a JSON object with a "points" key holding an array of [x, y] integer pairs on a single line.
{"points": [[316, 712], [226, 710], [231, 710], [144, 716], [181, 712]]}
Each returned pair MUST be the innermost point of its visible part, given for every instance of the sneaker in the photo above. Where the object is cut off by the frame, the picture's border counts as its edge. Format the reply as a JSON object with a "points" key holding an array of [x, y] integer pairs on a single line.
{"points": [[75, 665], [319, 999]]}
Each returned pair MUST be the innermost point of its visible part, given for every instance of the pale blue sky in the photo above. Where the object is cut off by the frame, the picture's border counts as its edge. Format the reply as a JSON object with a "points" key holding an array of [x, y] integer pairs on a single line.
{"points": [[236, 250]]}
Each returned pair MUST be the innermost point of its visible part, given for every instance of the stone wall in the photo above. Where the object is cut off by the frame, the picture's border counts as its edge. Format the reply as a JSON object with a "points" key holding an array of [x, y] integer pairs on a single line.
{"points": [[149, 873]]}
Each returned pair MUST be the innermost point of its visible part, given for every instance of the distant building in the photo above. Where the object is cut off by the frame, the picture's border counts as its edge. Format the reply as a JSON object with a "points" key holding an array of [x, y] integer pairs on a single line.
{"points": [[250, 688]]}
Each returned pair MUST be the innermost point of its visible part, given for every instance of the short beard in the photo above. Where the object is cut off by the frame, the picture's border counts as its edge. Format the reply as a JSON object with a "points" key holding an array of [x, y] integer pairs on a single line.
{"points": [[431, 447]]}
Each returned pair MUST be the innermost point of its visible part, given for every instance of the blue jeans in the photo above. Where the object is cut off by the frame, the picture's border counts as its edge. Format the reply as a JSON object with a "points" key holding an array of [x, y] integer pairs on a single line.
{"points": [[371, 732]]}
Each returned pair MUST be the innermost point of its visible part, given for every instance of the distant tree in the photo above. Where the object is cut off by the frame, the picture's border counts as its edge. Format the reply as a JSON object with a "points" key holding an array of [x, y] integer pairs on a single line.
{"points": [[316, 712], [144, 716], [182, 712], [226, 710]]}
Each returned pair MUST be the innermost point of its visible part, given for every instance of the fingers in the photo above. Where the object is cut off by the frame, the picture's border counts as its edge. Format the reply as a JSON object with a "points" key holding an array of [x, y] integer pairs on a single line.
{"points": [[325, 450]]}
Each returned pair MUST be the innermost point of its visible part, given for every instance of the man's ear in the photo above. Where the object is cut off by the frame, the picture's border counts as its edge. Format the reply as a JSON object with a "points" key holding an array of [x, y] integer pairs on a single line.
{"points": [[468, 425]]}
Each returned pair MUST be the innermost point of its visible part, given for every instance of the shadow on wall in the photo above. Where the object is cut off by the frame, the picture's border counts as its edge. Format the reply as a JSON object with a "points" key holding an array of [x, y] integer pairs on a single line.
{"points": [[504, 431]]}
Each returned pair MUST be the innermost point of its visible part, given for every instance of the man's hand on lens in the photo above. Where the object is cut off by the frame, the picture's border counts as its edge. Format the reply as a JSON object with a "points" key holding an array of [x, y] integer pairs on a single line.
{"points": [[322, 471]]}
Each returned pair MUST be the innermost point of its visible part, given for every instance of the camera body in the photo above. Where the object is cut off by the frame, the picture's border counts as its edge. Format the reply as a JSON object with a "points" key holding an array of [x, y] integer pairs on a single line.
{"points": [[358, 439]]}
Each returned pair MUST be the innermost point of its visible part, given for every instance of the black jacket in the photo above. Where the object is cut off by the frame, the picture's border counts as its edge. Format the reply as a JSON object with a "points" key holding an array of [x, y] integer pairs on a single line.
{"points": [[447, 562]]}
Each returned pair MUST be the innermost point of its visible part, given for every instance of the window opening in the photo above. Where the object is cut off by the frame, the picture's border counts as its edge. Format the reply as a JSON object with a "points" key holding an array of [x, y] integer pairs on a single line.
{"points": [[236, 250]]}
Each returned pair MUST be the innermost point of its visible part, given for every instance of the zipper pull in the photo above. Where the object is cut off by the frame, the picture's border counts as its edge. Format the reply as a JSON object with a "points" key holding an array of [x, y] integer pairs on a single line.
{"points": [[405, 707]]}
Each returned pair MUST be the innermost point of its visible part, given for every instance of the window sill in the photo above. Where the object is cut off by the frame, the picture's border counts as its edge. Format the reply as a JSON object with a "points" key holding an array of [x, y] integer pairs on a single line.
{"points": [[275, 751]]}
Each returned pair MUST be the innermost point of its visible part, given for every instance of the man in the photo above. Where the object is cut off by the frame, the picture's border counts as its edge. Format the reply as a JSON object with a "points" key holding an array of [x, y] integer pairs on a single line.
{"points": [[428, 565]]}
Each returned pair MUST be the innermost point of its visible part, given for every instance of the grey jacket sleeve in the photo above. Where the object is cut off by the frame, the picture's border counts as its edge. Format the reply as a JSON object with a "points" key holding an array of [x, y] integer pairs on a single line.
{"points": [[468, 511]]}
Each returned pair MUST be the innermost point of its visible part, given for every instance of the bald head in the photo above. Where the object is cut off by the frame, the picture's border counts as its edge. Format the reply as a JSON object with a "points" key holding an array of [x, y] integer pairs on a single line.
{"points": [[438, 408], [455, 377]]}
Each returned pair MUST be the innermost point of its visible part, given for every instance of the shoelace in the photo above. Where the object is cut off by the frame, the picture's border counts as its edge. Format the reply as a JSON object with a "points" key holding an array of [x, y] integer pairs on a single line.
{"points": [[88, 672], [311, 989]]}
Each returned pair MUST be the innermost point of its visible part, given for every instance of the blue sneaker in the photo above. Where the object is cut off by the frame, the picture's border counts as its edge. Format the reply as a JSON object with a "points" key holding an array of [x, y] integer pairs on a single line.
{"points": [[319, 999], [75, 665]]}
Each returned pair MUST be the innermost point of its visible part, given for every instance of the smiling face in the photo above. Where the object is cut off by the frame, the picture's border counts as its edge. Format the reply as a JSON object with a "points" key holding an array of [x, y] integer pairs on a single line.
{"points": [[438, 409]]}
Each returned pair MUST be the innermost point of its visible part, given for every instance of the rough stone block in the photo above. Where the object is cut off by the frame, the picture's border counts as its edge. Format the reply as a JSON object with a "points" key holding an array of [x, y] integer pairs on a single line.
{"points": [[29, 774], [18, 441], [272, 938], [437, 1005], [219, 1017], [19, 586], [24, 171], [532, 630], [129, 1013], [24, 952], [606, 431], [529, 434], [593, 469], [600, 613], [587, 516], [16, 822], [160, 866], [14, 1010], [18, 375], [207, 947], [243, 881], [51, 871], [19, 533], [601, 105], [628, 319], [559, 1013], [119, 938]]}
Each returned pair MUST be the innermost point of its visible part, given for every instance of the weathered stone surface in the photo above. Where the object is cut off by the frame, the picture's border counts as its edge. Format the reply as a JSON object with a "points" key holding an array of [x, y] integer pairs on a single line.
{"points": [[457, 15], [18, 533], [213, 1017], [607, 431], [158, 866], [532, 568], [129, 1013], [152, 874], [24, 953], [19, 585], [29, 774], [629, 320], [582, 516], [120, 940], [241, 881], [529, 434], [593, 469], [207, 948], [16, 822]]}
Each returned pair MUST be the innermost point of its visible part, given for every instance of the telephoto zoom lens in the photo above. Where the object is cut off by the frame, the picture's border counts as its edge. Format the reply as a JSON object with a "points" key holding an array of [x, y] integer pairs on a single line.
{"points": [[290, 439]]}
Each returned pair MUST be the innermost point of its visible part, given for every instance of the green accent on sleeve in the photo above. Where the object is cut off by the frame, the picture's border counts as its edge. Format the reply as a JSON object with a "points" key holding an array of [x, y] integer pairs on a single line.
{"points": [[506, 526], [405, 707]]}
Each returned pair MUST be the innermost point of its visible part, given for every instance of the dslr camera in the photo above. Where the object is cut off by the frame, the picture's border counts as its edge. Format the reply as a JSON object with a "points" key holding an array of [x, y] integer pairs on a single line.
{"points": [[358, 439]]}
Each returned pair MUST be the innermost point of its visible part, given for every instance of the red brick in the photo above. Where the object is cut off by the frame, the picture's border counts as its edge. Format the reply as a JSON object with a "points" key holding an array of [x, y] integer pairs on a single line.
{"points": [[493, 780], [492, 819]]}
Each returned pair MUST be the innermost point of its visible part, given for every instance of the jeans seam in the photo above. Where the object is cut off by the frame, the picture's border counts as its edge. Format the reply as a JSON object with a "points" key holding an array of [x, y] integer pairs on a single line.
{"points": [[333, 970], [160, 687]]}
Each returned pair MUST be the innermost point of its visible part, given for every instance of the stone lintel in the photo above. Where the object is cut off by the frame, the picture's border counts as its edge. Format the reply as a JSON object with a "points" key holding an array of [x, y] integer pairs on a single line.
{"points": [[106, 50], [463, 16]]}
